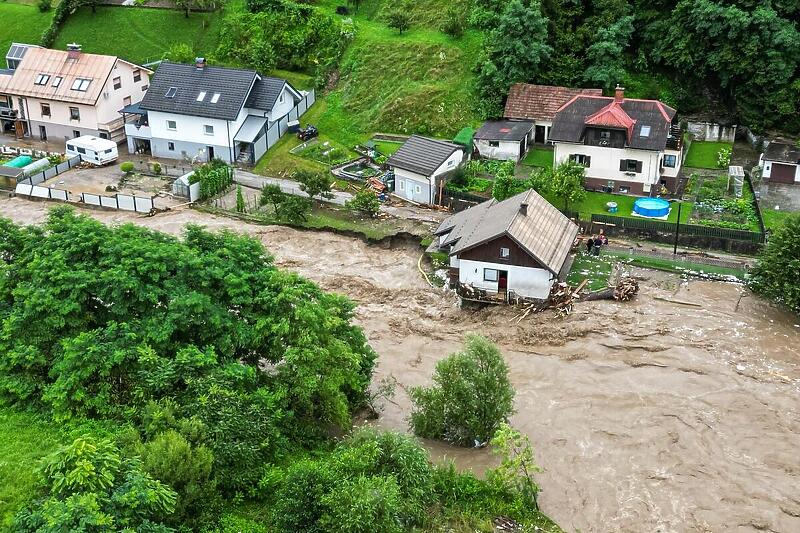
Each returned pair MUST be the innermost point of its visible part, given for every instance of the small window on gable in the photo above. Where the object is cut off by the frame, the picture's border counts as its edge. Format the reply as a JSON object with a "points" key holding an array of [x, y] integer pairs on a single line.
{"points": [[201, 96], [209, 130], [42, 79], [280, 98], [172, 125], [137, 75], [171, 92], [215, 98], [56, 81], [117, 83], [505, 253], [605, 135], [645, 132]]}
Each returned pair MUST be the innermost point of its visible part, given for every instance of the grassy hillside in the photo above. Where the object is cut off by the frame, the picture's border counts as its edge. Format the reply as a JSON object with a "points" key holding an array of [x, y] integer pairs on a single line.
{"points": [[21, 23], [139, 34]]}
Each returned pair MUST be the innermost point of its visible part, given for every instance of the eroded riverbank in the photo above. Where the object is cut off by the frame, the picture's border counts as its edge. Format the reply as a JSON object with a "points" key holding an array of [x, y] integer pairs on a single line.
{"points": [[646, 416]]}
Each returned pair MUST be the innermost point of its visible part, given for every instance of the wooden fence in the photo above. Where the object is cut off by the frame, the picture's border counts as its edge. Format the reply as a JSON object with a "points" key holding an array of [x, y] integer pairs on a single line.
{"points": [[639, 224]]}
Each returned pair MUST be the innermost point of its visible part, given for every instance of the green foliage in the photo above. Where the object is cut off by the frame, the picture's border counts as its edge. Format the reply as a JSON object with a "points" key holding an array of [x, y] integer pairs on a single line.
{"points": [[565, 181], [516, 50], [470, 398], [45, 5], [314, 184], [180, 53], [91, 487], [724, 157], [286, 207], [398, 19], [240, 206], [605, 56], [156, 168], [286, 35], [127, 167], [455, 22], [517, 464], [91, 329], [363, 505], [214, 177], [365, 202], [775, 273]]}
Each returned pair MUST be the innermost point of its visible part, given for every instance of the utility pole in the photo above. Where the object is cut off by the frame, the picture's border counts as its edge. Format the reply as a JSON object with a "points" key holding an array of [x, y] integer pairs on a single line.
{"points": [[677, 229]]}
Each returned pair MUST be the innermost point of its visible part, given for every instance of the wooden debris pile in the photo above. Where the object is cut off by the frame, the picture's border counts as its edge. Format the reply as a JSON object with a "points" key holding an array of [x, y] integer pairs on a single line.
{"points": [[505, 524], [562, 297], [625, 289]]}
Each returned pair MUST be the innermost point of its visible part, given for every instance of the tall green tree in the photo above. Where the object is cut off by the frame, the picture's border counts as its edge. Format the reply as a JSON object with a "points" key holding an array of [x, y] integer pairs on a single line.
{"points": [[775, 273], [517, 48], [470, 397], [565, 181], [606, 56]]}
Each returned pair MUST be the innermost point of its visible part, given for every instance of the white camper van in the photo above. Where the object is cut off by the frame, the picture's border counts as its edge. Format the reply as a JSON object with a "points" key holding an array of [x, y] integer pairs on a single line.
{"points": [[93, 150]]}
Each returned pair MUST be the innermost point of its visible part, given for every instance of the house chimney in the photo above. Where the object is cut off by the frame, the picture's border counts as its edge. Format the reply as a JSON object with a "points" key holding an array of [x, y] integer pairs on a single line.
{"points": [[73, 51], [523, 209], [619, 94], [200, 63]]}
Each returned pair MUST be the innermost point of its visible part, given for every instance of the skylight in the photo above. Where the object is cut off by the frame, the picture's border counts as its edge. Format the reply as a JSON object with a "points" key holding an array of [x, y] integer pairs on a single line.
{"points": [[42, 79], [645, 131], [57, 81], [171, 92], [81, 84], [215, 98], [201, 96]]}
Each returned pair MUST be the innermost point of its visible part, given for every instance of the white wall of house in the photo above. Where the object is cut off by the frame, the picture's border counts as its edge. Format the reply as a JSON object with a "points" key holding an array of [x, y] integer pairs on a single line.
{"points": [[60, 114], [524, 281], [452, 162], [502, 150], [189, 128], [605, 162], [413, 186], [111, 100]]}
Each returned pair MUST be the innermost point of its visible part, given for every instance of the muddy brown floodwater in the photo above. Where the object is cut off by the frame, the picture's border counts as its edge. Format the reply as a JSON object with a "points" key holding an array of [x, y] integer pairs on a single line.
{"points": [[646, 416]]}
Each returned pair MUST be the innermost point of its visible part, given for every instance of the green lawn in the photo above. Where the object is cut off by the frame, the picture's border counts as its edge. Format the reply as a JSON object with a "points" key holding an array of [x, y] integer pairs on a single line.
{"points": [[596, 269], [677, 266], [595, 203], [139, 34], [774, 219], [703, 154], [21, 24], [387, 148], [539, 157]]}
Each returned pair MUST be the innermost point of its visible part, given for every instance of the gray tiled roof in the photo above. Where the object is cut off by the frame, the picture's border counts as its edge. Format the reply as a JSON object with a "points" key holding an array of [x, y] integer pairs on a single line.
{"points": [[422, 155], [544, 232], [265, 92], [570, 121], [233, 86], [504, 130], [782, 152]]}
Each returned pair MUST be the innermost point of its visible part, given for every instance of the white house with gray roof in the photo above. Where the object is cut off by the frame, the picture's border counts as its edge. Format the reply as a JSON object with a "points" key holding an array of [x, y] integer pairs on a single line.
{"points": [[501, 251], [421, 166], [203, 112]]}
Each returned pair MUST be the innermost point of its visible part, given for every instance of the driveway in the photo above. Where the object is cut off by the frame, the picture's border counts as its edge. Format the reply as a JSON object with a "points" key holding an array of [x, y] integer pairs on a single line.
{"points": [[779, 196]]}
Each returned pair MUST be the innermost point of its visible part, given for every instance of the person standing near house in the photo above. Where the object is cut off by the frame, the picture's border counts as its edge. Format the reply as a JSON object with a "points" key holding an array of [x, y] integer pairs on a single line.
{"points": [[603, 238], [598, 242], [589, 244]]}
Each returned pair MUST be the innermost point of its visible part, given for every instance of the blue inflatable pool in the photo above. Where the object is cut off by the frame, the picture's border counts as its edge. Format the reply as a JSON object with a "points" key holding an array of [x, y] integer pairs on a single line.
{"points": [[651, 207]]}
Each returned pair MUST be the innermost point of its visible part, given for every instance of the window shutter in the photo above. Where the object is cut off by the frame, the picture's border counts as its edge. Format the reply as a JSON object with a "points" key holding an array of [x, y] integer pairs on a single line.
{"points": [[623, 164], [588, 161], [638, 166]]}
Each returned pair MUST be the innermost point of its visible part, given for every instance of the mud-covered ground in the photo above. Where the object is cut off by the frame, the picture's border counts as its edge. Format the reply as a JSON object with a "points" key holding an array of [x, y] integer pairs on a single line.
{"points": [[646, 416]]}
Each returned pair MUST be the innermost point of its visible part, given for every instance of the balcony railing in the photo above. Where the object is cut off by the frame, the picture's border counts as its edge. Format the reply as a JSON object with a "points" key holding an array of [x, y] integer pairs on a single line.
{"points": [[133, 130]]}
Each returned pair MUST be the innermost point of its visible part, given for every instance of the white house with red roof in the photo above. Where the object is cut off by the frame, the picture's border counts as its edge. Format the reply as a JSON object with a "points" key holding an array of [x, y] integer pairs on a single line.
{"points": [[627, 145]]}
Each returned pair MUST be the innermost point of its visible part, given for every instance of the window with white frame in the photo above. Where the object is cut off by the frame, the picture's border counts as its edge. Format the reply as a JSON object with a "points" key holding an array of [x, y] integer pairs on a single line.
{"points": [[42, 79], [490, 274], [172, 125], [670, 161], [81, 84], [74, 113], [117, 83], [137, 75], [45, 110], [208, 129], [56, 81], [505, 253]]}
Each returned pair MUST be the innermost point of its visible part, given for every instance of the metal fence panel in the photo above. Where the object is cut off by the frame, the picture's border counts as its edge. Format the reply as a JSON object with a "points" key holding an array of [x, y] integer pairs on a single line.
{"points": [[37, 179], [50, 173], [126, 202], [301, 107], [273, 135], [293, 114], [62, 167], [40, 192], [58, 194], [685, 229], [91, 199], [23, 189], [143, 205], [283, 125], [108, 201]]}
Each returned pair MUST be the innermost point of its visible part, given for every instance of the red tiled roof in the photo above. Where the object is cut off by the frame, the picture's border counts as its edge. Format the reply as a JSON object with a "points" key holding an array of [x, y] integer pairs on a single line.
{"points": [[540, 102], [612, 116]]}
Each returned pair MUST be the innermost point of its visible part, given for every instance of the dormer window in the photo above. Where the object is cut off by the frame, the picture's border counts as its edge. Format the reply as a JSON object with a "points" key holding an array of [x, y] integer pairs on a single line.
{"points": [[215, 98], [42, 79], [171, 92], [605, 135], [201, 96], [81, 84]]}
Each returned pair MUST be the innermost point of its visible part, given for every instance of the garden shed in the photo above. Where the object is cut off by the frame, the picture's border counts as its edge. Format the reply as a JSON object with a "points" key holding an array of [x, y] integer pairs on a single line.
{"points": [[504, 140]]}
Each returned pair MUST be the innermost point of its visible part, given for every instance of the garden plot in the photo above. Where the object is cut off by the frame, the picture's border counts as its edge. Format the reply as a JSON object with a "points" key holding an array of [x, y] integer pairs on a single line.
{"points": [[717, 205], [325, 152]]}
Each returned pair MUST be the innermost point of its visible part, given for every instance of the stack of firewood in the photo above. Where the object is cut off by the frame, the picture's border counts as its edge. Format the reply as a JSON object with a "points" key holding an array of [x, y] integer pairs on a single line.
{"points": [[626, 289]]}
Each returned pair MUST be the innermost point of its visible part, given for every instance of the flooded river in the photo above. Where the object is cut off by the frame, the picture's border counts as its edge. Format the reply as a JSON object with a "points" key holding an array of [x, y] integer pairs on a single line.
{"points": [[646, 416]]}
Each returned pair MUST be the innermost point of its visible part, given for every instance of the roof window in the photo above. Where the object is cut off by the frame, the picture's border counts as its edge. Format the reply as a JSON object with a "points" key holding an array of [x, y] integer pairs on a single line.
{"points": [[42, 79], [215, 98], [56, 81], [645, 131], [81, 84], [201, 96], [171, 92]]}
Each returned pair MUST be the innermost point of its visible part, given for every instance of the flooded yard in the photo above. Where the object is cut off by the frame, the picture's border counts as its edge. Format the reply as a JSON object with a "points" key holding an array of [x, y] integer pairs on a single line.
{"points": [[649, 415]]}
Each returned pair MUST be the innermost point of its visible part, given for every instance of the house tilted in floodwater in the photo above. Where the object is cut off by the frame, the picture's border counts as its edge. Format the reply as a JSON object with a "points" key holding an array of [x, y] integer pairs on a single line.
{"points": [[510, 250]]}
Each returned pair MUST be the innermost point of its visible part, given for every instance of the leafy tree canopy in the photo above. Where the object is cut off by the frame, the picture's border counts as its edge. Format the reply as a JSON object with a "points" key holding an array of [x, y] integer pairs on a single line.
{"points": [[775, 273]]}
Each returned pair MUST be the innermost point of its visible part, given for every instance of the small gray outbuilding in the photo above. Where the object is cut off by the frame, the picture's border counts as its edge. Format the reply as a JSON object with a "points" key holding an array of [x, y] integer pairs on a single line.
{"points": [[503, 139]]}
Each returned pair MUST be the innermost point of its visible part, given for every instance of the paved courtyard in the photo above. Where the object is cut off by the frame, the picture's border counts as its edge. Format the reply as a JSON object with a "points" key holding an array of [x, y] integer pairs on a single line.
{"points": [[779, 196]]}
